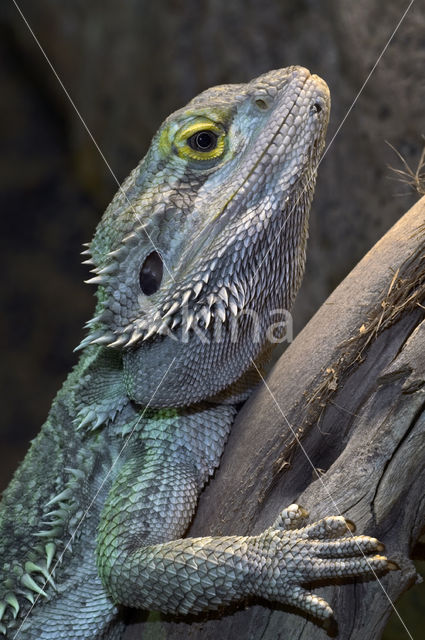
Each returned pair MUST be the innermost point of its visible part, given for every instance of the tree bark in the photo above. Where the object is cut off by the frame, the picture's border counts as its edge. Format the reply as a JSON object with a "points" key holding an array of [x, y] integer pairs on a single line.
{"points": [[339, 427]]}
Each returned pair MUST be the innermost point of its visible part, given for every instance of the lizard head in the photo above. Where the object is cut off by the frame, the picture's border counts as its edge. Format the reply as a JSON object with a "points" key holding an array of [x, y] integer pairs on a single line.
{"points": [[212, 221]]}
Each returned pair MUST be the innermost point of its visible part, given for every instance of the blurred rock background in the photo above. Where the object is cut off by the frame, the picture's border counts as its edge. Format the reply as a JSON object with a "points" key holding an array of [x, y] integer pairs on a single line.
{"points": [[126, 66]]}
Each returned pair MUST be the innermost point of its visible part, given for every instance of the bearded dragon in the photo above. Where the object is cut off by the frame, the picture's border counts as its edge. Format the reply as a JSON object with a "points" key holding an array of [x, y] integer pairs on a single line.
{"points": [[203, 241]]}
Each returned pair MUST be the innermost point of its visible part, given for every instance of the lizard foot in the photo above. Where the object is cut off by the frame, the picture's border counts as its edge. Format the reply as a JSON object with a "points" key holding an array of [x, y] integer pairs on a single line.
{"points": [[291, 553]]}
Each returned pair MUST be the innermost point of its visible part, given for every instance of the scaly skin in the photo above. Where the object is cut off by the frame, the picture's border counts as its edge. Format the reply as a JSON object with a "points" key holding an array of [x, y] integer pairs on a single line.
{"points": [[211, 225]]}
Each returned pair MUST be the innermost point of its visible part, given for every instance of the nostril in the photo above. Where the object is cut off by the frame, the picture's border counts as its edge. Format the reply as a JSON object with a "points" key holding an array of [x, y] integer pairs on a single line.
{"points": [[262, 104], [316, 107]]}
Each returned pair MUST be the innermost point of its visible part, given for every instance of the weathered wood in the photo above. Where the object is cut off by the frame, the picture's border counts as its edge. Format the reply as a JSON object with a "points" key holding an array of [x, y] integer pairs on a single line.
{"points": [[340, 427]]}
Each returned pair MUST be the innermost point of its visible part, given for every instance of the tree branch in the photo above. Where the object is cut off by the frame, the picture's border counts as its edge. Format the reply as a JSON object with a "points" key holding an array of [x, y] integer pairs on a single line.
{"points": [[340, 427]]}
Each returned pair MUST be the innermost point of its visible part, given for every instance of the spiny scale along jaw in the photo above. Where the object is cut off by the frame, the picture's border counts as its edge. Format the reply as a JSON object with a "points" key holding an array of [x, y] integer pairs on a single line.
{"points": [[216, 211]]}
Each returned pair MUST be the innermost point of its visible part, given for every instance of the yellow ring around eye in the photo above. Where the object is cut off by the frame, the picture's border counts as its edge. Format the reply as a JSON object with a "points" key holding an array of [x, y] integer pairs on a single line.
{"points": [[183, 135]]}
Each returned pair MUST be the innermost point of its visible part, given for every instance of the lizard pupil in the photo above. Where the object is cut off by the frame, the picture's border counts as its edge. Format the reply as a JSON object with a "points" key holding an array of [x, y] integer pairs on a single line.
{"points": [[203, 141], [150, 275]]}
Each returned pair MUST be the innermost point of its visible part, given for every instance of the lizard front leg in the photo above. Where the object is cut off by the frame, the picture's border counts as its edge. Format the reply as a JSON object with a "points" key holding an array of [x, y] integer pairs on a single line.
{"points": [[144, 562], [142, 559]]}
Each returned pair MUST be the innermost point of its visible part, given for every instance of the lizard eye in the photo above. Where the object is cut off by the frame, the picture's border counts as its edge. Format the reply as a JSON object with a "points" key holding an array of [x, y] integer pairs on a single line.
{"points": [[200, 139], [203, 141], [150, 275]]}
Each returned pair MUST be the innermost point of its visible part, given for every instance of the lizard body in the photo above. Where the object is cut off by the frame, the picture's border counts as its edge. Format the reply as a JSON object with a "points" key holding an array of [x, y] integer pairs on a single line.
{"points": [[210, 226]]}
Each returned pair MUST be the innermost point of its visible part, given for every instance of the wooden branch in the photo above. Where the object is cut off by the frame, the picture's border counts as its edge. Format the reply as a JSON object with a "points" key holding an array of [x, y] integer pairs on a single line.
{"points": [[345, 401]]}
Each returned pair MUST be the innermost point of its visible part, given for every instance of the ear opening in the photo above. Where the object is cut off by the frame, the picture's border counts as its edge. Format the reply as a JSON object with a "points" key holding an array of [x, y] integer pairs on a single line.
{"points": [[151, 272]]}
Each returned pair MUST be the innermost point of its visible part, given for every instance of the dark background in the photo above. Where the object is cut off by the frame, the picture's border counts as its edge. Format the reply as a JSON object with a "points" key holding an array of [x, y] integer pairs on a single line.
{"points": [[127, 65]]}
